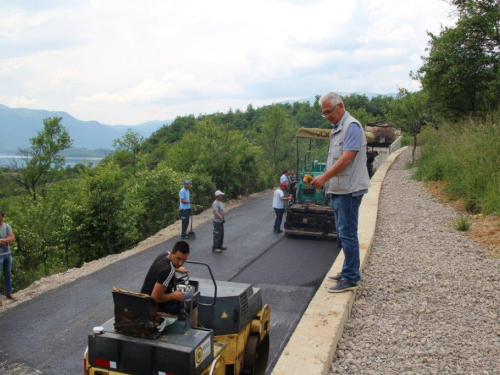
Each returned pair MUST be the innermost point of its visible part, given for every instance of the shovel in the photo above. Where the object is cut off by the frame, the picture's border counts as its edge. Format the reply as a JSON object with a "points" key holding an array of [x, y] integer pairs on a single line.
{"points": [[192, 235]]}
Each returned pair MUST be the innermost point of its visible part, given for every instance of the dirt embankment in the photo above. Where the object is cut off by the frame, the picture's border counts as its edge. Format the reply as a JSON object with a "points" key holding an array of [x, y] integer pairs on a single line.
{"points": [[173, 230]]}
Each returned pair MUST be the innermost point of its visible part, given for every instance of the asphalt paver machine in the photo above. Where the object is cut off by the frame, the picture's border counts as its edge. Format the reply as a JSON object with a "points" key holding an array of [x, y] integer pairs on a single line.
{"points": [[311, 213], [232, 336]]}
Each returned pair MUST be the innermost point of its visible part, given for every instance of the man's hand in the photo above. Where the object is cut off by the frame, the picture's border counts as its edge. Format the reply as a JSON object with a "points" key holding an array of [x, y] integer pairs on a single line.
{"points": [[181, 270], [223, 220], [191, 201], [319, 181], [177, 296]]}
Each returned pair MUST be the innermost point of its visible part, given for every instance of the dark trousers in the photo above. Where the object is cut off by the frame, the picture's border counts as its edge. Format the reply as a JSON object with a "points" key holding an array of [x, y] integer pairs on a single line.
{"points": [[279, 218], [6, 266], [185, 214], [218, 235]]}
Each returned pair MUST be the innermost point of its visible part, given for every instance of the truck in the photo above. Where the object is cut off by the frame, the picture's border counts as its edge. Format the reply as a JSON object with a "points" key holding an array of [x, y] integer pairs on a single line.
{"points": [[231, 337]]}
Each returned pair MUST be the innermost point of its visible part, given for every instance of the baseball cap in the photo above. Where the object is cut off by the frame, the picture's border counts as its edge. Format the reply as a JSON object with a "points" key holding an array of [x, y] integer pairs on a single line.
{"points": [[218, 192], [185, 182]]}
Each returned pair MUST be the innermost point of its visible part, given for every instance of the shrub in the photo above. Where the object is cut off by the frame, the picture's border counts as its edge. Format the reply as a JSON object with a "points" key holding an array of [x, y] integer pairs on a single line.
{"points": [[462, 224]]}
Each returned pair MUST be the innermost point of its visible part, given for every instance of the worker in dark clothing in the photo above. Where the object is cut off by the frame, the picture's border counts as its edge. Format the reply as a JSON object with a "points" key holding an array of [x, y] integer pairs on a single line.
{"points": [[160, 281], [370, 158]]}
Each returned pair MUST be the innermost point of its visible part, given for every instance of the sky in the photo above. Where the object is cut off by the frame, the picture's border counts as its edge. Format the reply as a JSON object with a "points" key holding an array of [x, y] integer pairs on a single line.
{"points": [[128, 62]]}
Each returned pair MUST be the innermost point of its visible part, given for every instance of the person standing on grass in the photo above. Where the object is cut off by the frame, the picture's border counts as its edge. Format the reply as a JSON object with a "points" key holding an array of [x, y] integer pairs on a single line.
{"points": [[218, 220], [345, 181], [279, 200], [6, 237], [185, 208]]}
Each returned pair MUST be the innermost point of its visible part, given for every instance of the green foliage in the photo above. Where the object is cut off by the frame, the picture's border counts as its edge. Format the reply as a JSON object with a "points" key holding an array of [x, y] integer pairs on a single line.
{"points": [[409, 112], [43, 154], [462, 71], [225, 155], [276, 137], [462, 224], [466, 155], [127, 150]]}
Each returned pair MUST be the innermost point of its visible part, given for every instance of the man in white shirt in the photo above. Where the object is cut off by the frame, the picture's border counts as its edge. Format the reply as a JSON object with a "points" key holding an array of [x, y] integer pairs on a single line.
{"points": [[279, 206]]}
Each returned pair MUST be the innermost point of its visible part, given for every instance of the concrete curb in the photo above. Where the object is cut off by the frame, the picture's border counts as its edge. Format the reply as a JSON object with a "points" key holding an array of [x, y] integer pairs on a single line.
{"points": [[312, 346]]}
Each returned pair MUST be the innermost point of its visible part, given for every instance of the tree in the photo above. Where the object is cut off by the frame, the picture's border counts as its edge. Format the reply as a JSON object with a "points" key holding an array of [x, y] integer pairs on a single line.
{"points": [[462, 71], [409, 113], [43, 155], [276, 137], [128, 149], [482, 18]]}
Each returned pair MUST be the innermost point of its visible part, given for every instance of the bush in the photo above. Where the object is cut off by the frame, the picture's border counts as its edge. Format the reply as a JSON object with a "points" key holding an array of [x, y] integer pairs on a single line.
{"points": [[467, 156], [462, 224]]}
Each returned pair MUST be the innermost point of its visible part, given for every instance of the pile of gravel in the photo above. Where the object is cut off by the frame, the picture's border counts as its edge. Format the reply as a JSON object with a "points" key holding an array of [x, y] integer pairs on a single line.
{"points": [[429, 302]]}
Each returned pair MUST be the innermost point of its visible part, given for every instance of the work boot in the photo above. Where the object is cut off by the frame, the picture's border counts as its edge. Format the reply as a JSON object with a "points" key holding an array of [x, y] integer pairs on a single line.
{"points": [[216, 250], [223, 248], [1, 303], [335, 278], [342, 286], [10, 296]]}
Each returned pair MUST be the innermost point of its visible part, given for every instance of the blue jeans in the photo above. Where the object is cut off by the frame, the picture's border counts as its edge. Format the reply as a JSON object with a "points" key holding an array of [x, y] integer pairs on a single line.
{"points": [[346, 210], [279, 218], [6, 262]]}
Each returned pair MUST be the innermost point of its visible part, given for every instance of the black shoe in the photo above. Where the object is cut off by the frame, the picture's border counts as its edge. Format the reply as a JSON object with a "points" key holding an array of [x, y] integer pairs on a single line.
{"points": [[184, 237], [279, 231], [223, 248], [10, 296], [336, 278], [342, 286]]}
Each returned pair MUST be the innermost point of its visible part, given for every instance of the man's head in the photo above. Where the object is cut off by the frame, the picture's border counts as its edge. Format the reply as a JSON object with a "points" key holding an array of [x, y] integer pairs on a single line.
{"points": [[2, 215], [219, 195], [186, 184], [285, 171], [283, 185], [179, 253], [375, 154], [292, 172], [332, 107]]}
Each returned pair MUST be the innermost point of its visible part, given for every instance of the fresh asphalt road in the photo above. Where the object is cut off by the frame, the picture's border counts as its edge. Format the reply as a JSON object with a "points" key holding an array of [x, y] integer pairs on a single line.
{"points": [[49, 332]]}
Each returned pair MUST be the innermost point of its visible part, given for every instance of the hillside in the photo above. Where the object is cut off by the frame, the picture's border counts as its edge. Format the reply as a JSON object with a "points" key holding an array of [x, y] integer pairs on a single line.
{"points": [[18, 125]]}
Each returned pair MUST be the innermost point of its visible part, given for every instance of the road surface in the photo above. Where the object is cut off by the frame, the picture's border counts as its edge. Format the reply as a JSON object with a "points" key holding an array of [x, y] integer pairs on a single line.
{"points": [[49, 332]]}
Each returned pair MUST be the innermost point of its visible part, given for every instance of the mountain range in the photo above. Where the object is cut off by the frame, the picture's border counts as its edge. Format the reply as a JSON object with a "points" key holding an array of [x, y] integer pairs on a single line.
{"points": [[18, 125]]}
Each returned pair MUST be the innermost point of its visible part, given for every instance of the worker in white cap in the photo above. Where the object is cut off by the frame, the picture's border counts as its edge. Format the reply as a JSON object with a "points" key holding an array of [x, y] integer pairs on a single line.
{"points": [[219, 220]]}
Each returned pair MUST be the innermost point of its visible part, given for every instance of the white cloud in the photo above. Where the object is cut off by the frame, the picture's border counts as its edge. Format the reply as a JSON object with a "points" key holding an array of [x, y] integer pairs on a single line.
{"points": [[129, 62], [21, 102]]}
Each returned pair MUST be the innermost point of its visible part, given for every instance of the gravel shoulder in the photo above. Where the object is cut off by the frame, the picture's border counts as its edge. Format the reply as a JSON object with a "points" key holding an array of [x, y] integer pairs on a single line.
{"points": [[429, 302], [48, 283]]}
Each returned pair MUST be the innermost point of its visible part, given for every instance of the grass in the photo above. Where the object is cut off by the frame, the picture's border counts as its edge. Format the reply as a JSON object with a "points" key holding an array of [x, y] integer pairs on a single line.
{"points": [[462, 224], [466, 156]]}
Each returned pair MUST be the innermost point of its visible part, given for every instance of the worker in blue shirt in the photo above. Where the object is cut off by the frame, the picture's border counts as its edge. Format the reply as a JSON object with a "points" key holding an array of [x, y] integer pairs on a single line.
{"points": [[185, 208]]}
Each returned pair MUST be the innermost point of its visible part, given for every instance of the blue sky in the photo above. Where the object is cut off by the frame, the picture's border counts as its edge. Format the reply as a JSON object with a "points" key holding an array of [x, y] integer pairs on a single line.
{"points": [[127, 62]]}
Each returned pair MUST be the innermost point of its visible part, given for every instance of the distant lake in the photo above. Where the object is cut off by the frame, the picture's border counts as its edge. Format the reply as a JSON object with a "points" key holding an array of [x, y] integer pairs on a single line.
{"points": [[7, 160]]}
